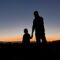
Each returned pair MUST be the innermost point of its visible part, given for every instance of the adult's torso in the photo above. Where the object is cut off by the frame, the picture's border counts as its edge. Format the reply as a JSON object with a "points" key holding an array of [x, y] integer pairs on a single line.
{"points": [[39, 25]]}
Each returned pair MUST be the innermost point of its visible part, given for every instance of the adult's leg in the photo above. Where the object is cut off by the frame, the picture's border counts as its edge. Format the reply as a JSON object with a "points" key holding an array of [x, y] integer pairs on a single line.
{"points": [[43, 38], [38, 39]]}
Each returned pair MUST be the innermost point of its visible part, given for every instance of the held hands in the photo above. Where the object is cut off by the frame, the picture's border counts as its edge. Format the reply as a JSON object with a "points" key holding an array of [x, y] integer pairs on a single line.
{"points": [[31, 36]]}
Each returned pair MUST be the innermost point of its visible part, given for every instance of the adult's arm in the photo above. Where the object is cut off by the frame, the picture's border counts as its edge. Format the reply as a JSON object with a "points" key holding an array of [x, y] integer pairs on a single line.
{"points": [[33, 27]]}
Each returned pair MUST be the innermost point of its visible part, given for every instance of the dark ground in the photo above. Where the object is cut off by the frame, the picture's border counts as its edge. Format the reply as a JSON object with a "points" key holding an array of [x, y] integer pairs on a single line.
{"points": [[17, 51]]}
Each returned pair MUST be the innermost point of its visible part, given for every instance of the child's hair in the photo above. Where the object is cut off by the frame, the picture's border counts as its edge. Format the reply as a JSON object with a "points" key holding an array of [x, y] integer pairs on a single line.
{"points": [[25, 30]]}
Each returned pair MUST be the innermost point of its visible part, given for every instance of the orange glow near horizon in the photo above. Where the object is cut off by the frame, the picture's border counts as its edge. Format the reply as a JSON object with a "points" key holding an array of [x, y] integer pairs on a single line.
{"points": [[11, 39], [19, 39], [53, 38]]}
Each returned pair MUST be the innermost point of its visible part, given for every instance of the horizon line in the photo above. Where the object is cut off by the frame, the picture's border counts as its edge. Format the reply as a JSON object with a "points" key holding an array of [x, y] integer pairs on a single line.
{"points": [[19, 39]]}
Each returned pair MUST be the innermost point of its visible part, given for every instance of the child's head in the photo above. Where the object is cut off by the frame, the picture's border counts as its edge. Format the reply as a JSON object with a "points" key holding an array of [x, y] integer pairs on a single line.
{"points": [[25, 30]]}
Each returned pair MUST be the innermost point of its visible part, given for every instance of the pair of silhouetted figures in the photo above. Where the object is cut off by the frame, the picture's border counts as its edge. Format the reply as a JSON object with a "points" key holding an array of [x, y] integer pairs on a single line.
{"points": [[38, 27]]}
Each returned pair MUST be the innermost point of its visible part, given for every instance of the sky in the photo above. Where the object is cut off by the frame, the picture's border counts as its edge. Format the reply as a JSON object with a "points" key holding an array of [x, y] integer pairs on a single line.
{"points": [[15, 15]]}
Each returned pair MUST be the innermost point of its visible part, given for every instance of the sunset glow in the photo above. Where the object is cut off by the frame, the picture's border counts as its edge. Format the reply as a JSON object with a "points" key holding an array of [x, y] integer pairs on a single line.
{"points": [[19, 39], [15, 15]]}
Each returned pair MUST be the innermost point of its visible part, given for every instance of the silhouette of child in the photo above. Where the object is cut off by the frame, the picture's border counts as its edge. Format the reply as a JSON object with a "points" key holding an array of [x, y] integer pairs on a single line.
{"points": [[26, 37]]}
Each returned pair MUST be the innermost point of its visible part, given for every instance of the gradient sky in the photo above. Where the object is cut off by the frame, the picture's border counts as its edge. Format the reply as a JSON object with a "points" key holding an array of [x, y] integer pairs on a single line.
{"points": [[15, 15]]}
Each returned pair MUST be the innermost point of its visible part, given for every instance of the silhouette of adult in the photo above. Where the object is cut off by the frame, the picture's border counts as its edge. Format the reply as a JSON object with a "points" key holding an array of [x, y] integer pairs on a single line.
{"points": [[38, 26]]}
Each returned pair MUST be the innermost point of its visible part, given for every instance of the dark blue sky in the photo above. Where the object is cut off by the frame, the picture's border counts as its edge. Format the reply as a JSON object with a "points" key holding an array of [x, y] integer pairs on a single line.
{"points": [[15, 15]]}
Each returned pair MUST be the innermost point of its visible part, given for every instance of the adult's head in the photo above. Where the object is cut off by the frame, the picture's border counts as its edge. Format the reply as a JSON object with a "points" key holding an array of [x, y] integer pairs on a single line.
{"points": [[36, 14]]}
